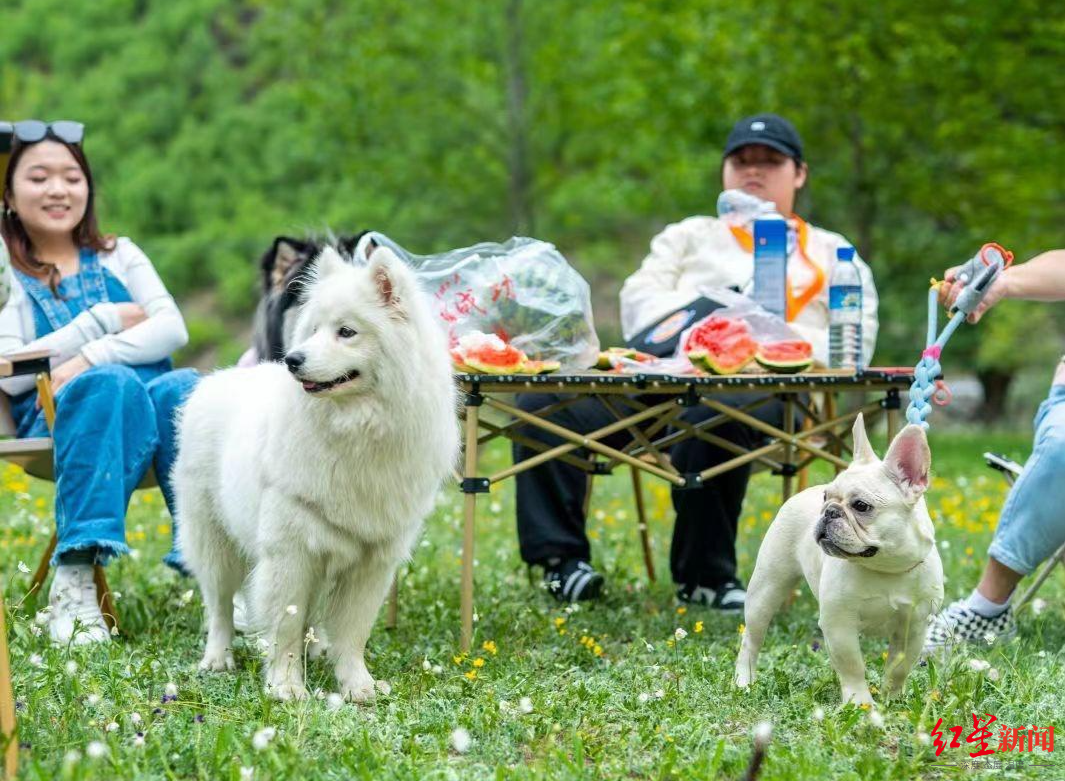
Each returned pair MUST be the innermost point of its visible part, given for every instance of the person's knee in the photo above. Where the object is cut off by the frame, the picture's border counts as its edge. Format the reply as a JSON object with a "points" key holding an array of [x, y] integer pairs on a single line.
{"points": [[171, 389], [112, 378]]}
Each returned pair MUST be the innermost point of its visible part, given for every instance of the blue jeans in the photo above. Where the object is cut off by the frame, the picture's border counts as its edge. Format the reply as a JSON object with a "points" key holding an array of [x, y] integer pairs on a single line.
{"points": [[110, 426], [1032, 524]]}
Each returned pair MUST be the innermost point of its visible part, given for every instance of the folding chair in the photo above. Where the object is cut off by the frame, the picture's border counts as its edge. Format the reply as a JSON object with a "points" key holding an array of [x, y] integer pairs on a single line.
{"points": [[1011, 470], [35, 456]]}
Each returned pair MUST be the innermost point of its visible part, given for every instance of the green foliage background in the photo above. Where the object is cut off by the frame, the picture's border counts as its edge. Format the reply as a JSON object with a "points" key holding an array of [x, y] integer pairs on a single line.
{"points": [[214, 125]]}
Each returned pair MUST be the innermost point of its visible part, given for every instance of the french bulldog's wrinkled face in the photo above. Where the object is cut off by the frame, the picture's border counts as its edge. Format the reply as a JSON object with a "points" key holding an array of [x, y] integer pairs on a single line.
{"points": [[870, 512]]}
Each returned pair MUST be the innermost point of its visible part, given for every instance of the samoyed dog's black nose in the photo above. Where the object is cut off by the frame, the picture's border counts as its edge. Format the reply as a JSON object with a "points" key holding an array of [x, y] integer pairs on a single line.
{"points": [[294, 361]]}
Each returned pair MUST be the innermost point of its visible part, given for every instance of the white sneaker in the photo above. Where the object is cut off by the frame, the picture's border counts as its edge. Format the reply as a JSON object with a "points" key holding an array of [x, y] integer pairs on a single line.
{"points": [[74, 615]]}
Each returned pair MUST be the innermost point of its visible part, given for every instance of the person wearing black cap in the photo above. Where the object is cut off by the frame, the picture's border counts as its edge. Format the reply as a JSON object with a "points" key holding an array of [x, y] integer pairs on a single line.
{"points": [[763, 156]]}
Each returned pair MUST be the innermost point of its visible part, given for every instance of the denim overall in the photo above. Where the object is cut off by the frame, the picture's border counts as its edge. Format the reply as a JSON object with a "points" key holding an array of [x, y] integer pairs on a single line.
{"points": [[112, 422]]}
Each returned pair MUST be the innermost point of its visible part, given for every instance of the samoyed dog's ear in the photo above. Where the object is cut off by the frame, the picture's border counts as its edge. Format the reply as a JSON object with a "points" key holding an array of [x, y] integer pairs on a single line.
{"points": [[394, 281], [328, 263]]}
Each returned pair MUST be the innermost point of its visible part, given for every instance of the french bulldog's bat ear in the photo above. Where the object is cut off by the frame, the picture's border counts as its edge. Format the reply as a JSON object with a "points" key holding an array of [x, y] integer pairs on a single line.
{"points": [[863, 451], [909, 460]]}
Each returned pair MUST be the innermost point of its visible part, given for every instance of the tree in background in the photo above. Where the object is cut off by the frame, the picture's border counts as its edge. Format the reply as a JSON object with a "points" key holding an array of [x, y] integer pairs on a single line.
{"points": [[215, 125]]}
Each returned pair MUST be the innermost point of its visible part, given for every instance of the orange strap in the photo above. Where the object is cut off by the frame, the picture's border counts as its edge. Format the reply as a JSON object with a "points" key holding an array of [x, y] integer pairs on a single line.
{"points": [[795, 303]]}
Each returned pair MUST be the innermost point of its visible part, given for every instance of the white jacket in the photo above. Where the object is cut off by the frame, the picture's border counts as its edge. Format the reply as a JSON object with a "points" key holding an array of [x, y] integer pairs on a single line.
{"points": [[97, 332], [694, 255]]}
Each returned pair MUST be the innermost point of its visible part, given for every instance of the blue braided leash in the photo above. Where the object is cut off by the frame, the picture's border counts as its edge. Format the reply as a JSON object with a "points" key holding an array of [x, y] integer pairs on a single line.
{"points": [[978, 274]]}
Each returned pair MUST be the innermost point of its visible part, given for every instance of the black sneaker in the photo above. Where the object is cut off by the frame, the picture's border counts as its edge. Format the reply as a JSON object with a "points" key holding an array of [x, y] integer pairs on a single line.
{"points": [[728, 597], [572, 580]]}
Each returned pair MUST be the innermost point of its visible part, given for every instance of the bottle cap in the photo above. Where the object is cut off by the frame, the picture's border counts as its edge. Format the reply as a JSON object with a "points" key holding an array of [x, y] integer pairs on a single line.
{"points": [[845, 253]]}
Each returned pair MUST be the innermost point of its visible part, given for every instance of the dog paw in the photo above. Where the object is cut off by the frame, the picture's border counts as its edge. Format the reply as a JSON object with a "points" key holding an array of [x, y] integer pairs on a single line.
{"points": [[218, 661], [858, 696], [364, 689], [288, 691], [741, 680]]}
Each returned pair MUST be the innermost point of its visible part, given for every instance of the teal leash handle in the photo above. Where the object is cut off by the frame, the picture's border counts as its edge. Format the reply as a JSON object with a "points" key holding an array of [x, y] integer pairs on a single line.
{"points": [[978, 273]]}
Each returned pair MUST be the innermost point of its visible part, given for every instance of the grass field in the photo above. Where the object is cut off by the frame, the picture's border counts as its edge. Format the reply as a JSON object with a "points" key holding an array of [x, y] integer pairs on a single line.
{"points": [[604, 691]]}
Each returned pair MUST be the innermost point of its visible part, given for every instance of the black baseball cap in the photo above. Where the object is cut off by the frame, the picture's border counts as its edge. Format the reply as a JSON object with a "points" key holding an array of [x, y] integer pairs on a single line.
{"points": [[770, 130]]}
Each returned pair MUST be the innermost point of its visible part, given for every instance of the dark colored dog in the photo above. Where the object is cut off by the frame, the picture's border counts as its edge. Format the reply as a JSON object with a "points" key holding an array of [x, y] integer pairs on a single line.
{"points": [[285, 268]]}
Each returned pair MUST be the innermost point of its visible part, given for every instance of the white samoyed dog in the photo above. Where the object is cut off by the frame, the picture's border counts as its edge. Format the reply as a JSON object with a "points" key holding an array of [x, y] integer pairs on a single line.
{"points": [[315, 476]]}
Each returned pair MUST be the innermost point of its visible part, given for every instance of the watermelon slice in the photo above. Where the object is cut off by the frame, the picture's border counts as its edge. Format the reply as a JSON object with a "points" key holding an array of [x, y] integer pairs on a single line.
{"points": [[788, 357], [720, 345], [540, 367], [480, 353], [611, 355]]}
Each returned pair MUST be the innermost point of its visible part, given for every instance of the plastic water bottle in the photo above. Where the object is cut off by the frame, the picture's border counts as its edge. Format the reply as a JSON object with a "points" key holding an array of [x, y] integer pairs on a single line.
{"points": [[771, 263], [737, 207], [845, 313]]}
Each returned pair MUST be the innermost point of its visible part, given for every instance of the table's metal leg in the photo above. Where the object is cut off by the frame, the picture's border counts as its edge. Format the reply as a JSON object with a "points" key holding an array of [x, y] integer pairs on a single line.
{"points": [[892, 405], [789, 449], [830, 414], [469, 517], [641, 521]]}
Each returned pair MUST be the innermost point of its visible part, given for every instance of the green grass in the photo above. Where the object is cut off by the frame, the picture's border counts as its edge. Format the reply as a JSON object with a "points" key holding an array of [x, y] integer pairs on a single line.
{"points": [[644, 708]]}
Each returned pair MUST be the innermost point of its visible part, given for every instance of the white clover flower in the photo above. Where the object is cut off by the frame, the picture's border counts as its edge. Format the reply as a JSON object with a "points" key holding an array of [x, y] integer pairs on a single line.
{"points": [[924, 738], [680, 634], [426, 664], [292, 610], [1042, 654], [505, 707], [35, 630], [170, 690], [186, 597], [246, 773], [96, 750], [993, 675], [978, 665], [72, 757], [525, 705], [763, 731], [36, 660], [310, 637], [134, 718], [23, 568], [660, 694], [261, 739], [1038, 605], [437, 669], [112, 726], [71, 667], [334, 701], [643, 697], [818, 714], [461, 740], [876, 719]]}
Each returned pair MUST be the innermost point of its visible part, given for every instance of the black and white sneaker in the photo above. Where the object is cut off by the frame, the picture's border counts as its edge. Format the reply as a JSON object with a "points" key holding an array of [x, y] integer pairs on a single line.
{"points": [[959, 624], [729, 597], [572, 580]]}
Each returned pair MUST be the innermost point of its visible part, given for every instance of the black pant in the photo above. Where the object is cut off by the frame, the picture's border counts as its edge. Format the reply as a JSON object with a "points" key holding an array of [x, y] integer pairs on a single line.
{"points": [[550, 498]]}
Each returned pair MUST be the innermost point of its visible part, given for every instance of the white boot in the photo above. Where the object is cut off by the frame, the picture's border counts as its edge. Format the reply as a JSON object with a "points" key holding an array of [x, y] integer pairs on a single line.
{"points": [[75, 611]]}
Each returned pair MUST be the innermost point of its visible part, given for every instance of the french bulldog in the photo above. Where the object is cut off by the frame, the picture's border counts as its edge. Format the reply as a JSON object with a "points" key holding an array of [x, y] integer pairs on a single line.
{"points": [[866, 545]]}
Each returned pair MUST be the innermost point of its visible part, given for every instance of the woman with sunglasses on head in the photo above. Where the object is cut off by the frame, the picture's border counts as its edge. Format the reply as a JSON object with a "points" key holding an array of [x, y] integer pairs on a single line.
{"points": [[99, 305]]}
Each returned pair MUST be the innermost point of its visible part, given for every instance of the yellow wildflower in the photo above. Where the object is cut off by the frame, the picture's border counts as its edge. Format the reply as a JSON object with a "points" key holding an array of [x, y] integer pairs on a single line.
{"points": [[681, 610], [471, 675], [741, 629], [698, 627], [490, 647], [478, 662]]}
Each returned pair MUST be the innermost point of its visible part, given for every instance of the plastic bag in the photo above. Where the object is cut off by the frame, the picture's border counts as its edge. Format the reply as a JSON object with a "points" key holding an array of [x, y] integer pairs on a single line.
{"points": [[523, 290]]}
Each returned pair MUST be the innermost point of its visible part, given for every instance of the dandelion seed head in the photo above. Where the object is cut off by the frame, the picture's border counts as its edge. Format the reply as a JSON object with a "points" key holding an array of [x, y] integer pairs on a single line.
{"points": [[171, 689], [246, 773], [525, 705], [71, 667], [334, 701], [876, 719], [261, 739], [461, 740], [818, 714], [763, 732], [643, 697], [96, 750], [112, 726]]}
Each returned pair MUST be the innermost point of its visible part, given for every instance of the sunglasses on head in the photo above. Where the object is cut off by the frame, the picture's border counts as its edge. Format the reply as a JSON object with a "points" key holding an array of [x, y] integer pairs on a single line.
{"points": [[30, 131]]}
